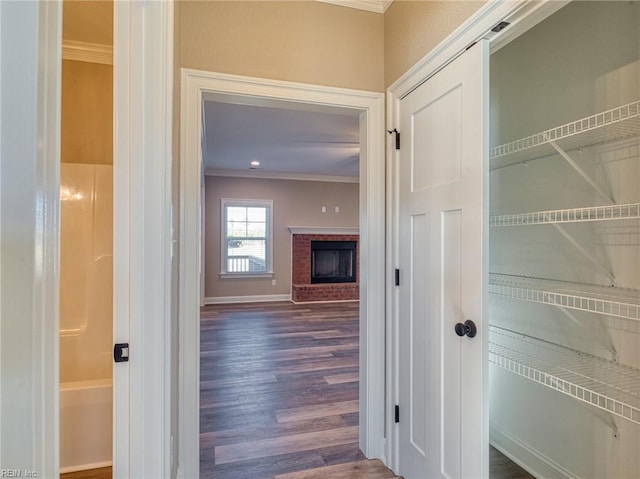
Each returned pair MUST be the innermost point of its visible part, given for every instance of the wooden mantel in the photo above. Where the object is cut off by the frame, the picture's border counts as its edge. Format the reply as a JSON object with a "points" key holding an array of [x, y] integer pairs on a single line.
{"points": [[324, 230]]}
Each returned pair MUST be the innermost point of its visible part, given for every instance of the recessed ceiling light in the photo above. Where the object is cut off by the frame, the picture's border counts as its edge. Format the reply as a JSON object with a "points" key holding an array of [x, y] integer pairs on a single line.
{"points": [[255, 163]]}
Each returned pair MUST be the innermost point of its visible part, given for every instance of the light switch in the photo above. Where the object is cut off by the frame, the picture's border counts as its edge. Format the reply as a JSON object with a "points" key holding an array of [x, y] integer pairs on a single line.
{"points": [[337, 209], [324, 209]]}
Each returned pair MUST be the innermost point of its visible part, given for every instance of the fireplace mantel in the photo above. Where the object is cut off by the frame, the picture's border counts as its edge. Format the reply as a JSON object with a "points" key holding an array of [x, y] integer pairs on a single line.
{"points": [[302, 290], [324, 230]]}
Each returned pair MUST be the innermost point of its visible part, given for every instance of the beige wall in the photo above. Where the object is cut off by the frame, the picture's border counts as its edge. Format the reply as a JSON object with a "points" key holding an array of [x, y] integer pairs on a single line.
{"points": [[301, 41], [413, 28], [312, 42], [87, 113], [88, 21], [308, 42], [295, 203]]}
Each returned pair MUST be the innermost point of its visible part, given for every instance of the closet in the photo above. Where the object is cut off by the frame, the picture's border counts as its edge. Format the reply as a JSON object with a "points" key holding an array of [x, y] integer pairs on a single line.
{"points": [[564, 282]]}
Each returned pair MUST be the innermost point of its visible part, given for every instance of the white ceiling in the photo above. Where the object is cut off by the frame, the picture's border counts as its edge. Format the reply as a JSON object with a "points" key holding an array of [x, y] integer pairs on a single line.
{"points": [[286, 138]]}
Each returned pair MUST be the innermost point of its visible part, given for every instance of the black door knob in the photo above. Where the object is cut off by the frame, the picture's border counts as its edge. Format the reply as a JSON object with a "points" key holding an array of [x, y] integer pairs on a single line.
{"points": [[468, 328]]}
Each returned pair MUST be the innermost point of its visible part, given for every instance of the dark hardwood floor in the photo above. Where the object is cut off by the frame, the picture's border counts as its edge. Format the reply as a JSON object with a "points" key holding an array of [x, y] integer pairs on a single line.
{"points": [[100, 473], [501, 467], [279, 396], [279, 393]]}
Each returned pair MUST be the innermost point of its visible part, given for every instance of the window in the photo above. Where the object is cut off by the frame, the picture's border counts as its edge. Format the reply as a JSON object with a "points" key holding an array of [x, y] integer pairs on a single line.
{"points": [[246, 237]]}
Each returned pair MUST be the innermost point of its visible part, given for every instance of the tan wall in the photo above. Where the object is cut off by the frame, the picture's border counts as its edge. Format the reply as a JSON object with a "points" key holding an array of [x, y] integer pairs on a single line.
{"points": [[301, 41], [295, 203], [88, 21], [413, 28], [87, 113], [308, 42]]}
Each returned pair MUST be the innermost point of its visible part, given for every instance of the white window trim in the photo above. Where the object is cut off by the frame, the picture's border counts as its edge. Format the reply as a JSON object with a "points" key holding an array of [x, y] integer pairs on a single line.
{"points": [[224, 202]]}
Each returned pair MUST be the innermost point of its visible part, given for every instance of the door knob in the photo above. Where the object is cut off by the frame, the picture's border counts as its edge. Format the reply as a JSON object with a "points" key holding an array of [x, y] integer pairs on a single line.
{"points": [[467, 328]]}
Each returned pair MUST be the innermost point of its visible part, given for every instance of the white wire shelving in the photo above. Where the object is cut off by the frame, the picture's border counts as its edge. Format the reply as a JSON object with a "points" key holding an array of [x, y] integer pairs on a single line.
{"points": [[610, 125], [610, 301], [573, 215], [607, 385]]}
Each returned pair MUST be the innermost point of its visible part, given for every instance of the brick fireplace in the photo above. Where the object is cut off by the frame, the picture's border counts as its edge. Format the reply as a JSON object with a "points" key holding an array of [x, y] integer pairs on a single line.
{"points": [[302, 289]]}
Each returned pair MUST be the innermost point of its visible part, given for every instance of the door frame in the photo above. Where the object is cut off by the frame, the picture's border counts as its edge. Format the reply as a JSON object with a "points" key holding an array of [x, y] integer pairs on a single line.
{"points": [[143, 406], [195, 85], [31, 87], [521, 15]]}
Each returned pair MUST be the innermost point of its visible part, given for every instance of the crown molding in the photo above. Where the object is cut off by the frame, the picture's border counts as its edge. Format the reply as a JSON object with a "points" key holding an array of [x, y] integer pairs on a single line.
{"points": [[376, 6], [87, 52], [266, 175]]}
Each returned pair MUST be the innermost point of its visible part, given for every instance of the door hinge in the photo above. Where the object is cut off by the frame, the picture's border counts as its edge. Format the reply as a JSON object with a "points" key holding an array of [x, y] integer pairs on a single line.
{"points": [[397, 133], [397, 277], [121, 352], [397, 414]]}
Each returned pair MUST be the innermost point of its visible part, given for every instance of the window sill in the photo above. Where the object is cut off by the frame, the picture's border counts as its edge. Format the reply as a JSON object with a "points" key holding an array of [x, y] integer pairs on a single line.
{"points": [[268, 274]]}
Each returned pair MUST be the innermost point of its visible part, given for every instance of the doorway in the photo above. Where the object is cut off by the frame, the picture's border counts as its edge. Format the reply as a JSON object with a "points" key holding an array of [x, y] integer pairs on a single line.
{"points": [[195, 86], [86, 239], [471, 330]]}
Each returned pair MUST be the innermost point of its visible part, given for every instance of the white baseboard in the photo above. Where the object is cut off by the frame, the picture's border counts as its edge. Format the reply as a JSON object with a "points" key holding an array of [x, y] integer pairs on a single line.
{"points": [[247, 299], [526, 456], [85, 467]]}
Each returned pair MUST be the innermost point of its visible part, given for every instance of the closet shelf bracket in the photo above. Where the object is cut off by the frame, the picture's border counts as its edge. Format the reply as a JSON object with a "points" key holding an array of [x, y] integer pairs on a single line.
{"points": [[607, 343], [579, 170], [605, 417], [602, 269]]}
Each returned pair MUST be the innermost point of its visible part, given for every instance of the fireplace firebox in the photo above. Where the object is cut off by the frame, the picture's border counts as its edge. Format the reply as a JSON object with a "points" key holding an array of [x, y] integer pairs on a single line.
{"points": [[333, 262]]}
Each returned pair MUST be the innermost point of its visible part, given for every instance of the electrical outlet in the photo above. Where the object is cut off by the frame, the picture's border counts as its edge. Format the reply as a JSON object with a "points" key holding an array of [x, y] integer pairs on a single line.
{"points": [[273, 282], [337, 209], [324, 209]]}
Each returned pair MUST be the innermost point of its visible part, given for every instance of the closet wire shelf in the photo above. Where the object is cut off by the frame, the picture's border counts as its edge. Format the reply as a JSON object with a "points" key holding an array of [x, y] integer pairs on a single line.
{"points": [[604, 384], [617, 302], [574, 215], [610, 125]]}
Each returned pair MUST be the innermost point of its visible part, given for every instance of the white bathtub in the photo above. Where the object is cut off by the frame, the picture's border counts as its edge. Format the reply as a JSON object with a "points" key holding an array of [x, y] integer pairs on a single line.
{"points": [[85, 425]]}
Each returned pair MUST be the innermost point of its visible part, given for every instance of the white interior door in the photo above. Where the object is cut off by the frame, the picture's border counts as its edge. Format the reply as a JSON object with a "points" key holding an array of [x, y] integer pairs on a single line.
{"points": [[443, 428], [29, 231]]}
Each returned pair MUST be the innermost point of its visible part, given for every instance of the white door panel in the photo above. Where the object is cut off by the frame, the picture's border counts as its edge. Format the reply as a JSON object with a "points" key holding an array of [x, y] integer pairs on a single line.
{"points": [[419, 359], [429, 136], [451, 345], [442, 187]]}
